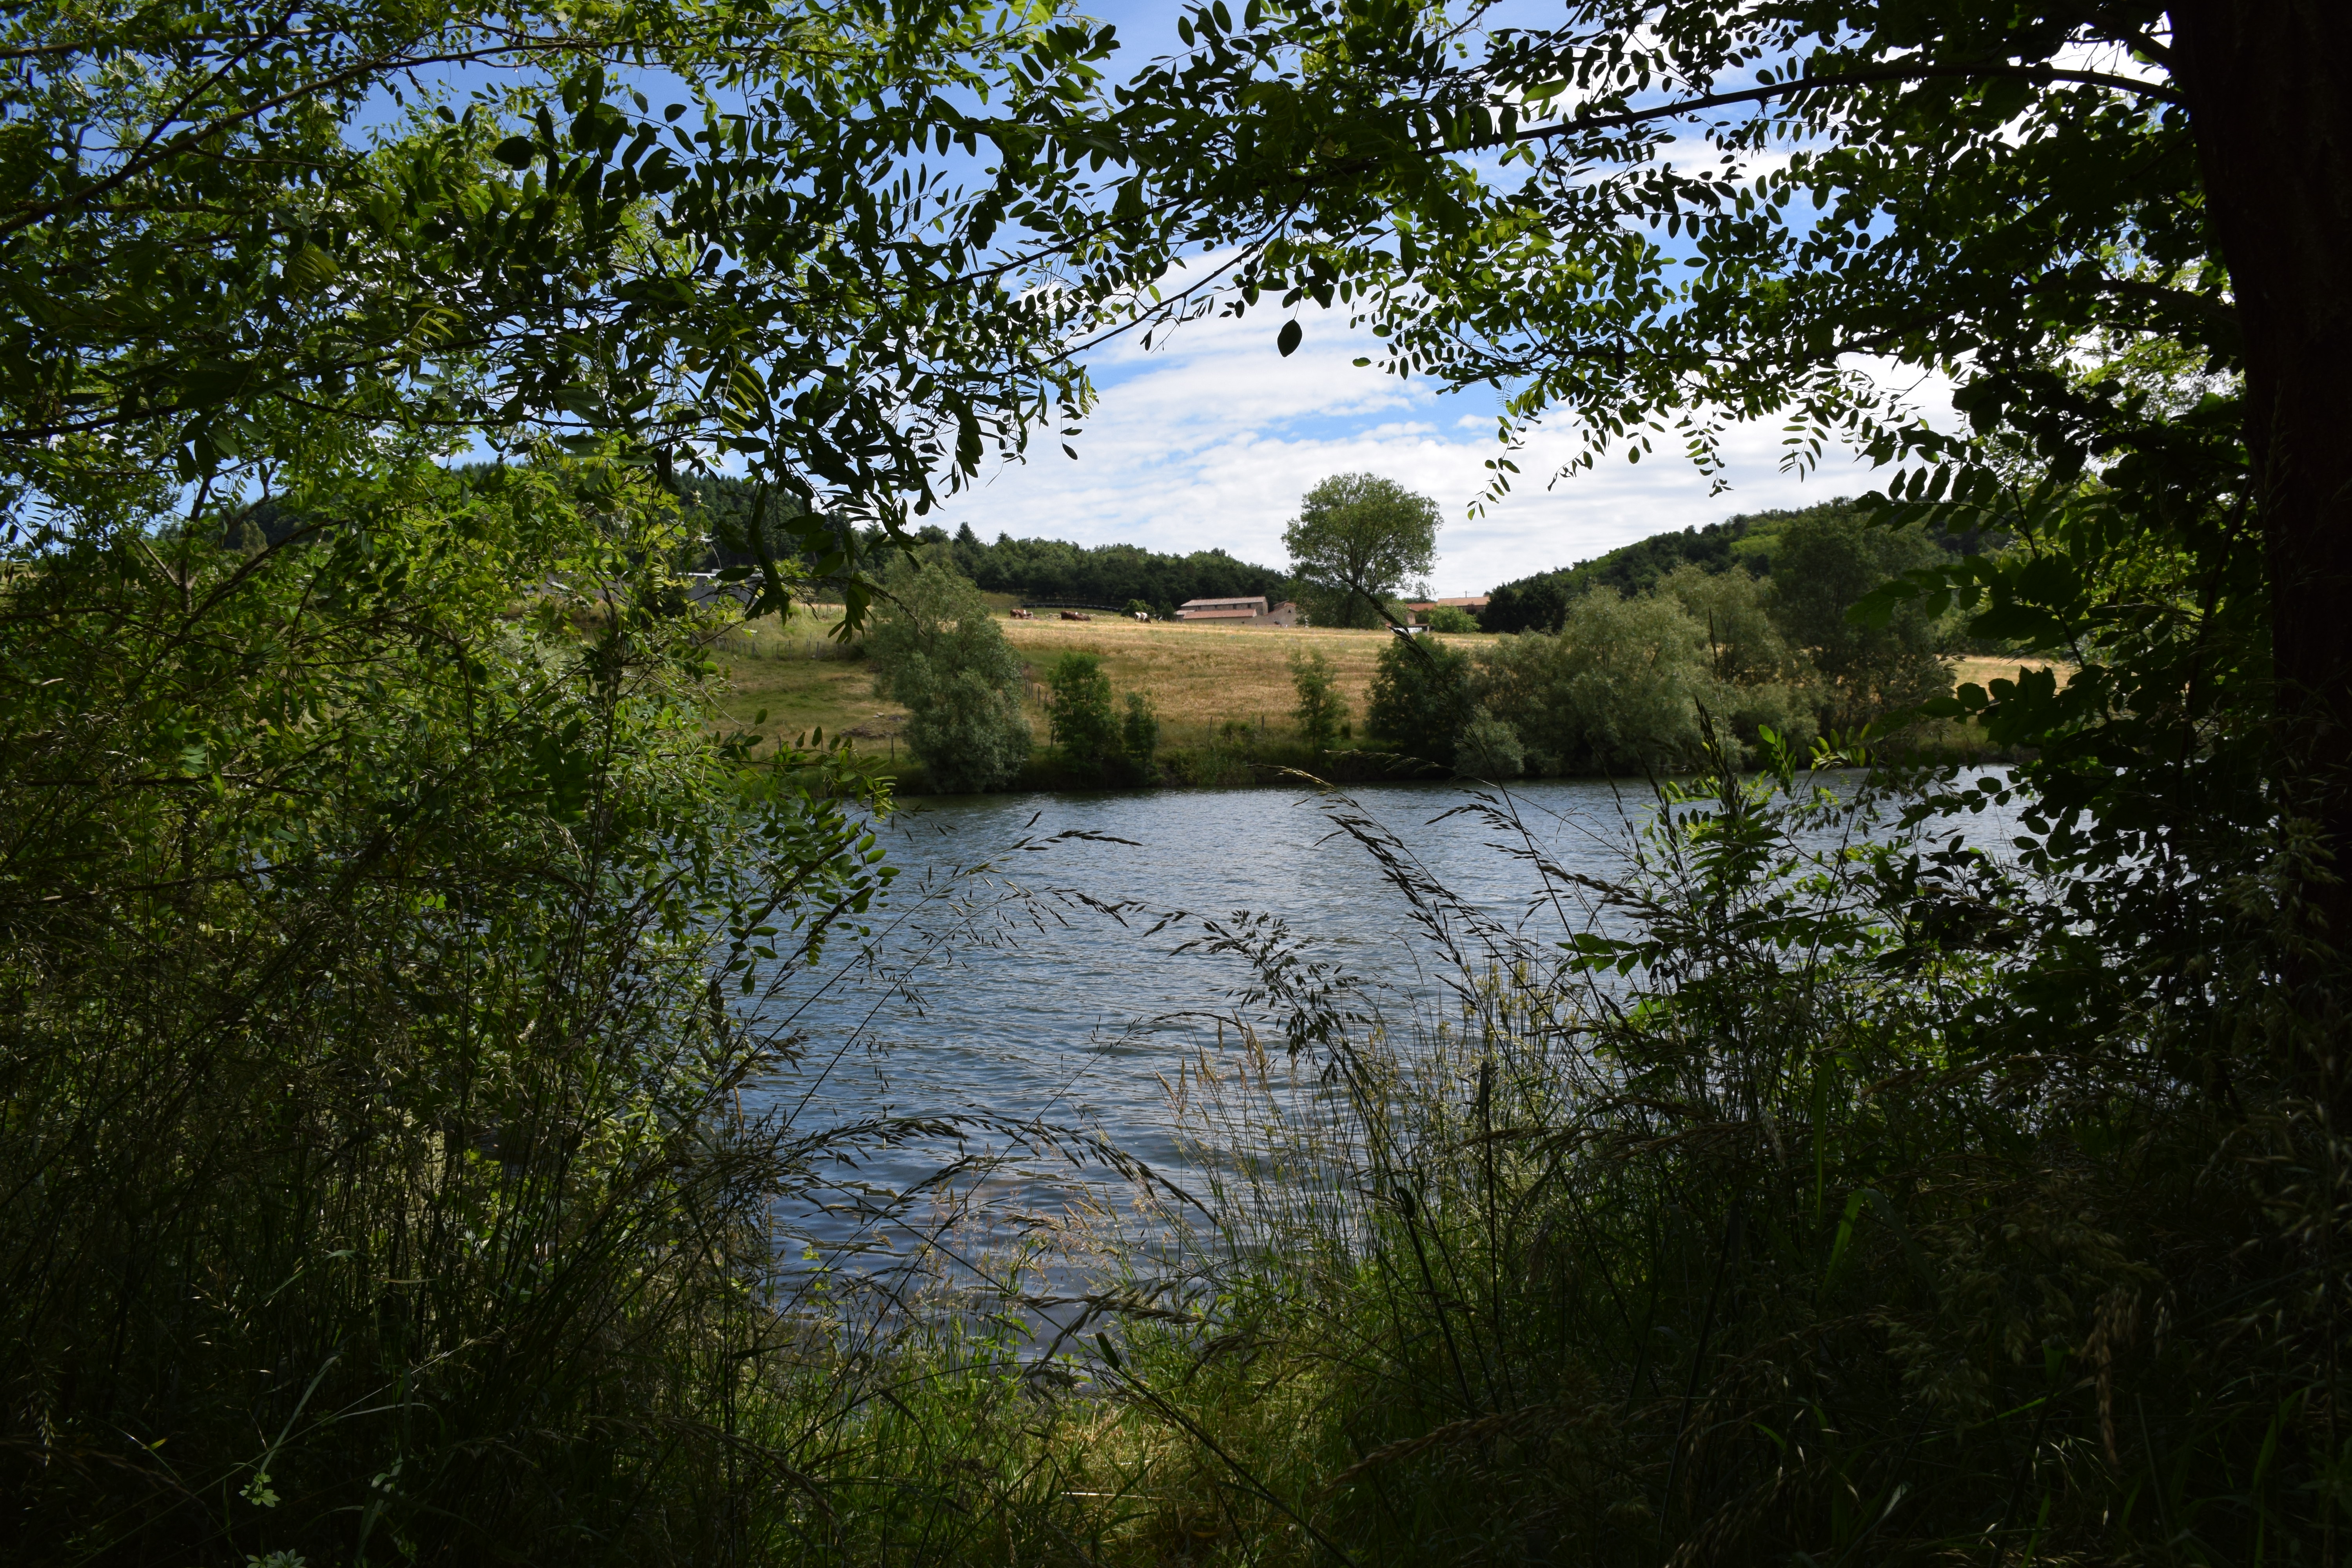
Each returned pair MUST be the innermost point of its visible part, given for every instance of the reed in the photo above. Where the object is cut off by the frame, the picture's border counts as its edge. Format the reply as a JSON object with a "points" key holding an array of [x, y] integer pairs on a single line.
{"points": [[1709, 1227], [378, 1185]]}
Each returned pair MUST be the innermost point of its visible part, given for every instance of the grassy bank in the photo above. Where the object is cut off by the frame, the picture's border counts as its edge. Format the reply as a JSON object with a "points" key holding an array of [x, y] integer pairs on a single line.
{"points": [[1224, 695]]}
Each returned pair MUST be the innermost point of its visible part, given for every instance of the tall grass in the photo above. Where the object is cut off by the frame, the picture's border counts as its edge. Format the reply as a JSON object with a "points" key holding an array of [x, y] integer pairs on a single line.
{"points": [[806, 635], [1716, 1218], [377, 1185], [1720, 1225]]}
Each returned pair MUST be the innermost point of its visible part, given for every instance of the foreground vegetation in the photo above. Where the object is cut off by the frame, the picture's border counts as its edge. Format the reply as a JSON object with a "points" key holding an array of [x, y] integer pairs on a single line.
{"points": [[376, 1182], [1750, 1229], [387, 936]]}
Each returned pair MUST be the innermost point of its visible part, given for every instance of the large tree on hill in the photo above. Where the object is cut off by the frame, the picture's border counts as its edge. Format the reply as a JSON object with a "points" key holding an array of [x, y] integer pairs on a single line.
{"points": [[1355, 540]]}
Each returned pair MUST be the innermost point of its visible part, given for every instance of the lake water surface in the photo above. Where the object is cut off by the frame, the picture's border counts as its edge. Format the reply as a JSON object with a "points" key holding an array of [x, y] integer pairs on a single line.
{"points": [[1035, 989]]}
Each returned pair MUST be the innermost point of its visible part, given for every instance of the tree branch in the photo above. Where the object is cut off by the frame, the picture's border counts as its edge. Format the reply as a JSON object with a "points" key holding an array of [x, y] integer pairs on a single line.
{"points": [[1891, 73], [2205, 305]]}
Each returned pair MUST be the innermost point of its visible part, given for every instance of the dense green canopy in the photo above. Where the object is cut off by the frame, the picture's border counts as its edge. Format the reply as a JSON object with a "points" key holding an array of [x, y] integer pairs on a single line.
{"points": [[241, 247], [379, 886]]}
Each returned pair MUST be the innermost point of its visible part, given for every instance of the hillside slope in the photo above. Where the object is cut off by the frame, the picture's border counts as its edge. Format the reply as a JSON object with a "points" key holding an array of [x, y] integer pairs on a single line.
{"points": [[1199, 676], [1744, 542]]}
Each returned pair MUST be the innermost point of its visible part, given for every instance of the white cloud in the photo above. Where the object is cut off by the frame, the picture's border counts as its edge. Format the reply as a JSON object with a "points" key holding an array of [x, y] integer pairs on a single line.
{"points": [[1209, 440]]}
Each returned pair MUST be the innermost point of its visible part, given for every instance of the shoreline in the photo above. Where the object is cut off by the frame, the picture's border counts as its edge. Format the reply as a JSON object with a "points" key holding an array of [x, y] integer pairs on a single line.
{"points": [[1188, 770]]}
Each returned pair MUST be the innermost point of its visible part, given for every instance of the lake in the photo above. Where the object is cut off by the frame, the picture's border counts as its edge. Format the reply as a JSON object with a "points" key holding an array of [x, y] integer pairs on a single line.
{"points": [[1036, 989]]}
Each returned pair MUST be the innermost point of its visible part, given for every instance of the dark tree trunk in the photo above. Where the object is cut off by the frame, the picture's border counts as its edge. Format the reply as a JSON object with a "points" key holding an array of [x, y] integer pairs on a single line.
{"points": [[2268, 85]]}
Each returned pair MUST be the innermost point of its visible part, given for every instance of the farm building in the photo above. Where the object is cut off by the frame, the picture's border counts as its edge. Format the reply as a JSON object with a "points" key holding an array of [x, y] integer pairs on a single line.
{"points": [[1249, 612], [1476, 604]]}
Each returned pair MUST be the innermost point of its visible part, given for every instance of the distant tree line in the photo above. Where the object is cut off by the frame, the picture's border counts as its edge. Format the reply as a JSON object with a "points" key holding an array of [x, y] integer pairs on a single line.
{"points": [[1032, 568], [720, 511], [1106, 574]]}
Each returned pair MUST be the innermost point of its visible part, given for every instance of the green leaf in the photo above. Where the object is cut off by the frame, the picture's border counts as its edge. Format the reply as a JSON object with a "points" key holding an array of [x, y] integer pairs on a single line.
{"points": [[310, 269]]}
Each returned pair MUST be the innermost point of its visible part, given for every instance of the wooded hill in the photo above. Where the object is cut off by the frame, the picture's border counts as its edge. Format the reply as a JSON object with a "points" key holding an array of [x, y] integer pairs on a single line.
{"points": [[1745, 540], [1108, 574], [1048, 569]]}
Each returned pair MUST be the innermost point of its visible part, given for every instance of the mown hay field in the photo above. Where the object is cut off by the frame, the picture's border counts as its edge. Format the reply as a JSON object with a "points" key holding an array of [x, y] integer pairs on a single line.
{"points": [[1199, 676], [1202, 676], [1982, 672]]}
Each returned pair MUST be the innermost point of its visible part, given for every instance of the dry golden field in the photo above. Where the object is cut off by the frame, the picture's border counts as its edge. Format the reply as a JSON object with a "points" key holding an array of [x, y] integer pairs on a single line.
{"points": [[1983, 671], [1199, 676]]}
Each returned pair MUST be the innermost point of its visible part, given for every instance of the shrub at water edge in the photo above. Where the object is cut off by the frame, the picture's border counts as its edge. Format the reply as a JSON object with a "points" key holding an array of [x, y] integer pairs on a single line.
{"points": [[1138, 733], [1420, 698], [1086, 729], [1322, 710], [938, 650], [1488, 748]]}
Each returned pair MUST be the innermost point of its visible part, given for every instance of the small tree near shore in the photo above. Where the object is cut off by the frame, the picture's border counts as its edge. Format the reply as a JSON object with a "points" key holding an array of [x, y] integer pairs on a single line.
{"points": [[938, 650], [1420, 698], [1140, 734], [1322, 712], [1085, 728]]}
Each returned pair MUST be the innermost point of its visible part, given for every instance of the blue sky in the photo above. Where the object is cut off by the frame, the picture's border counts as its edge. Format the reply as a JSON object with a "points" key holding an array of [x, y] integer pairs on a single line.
{"points": [[1210, 439]]}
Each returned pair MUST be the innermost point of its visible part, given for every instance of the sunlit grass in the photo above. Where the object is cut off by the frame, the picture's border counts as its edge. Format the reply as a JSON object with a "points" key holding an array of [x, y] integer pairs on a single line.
{"points": [[1199, 676]]}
